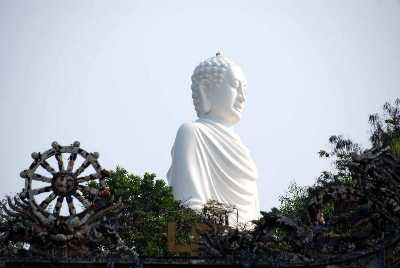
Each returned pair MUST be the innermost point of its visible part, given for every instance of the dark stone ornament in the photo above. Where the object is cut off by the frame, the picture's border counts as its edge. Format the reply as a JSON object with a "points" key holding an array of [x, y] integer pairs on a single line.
{"points": [[91, 231]]}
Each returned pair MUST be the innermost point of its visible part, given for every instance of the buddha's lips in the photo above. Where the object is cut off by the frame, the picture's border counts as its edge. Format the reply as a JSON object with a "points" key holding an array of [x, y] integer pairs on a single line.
{"points": [[238, 106]]}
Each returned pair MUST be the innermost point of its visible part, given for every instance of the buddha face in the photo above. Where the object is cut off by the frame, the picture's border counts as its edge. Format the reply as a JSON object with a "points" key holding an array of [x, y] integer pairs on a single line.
{"points": [[226, 99]]}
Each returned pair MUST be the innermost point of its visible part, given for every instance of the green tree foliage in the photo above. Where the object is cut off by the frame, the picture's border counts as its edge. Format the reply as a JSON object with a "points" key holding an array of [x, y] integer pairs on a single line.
{"points": [[292, 203], [148, 207]]}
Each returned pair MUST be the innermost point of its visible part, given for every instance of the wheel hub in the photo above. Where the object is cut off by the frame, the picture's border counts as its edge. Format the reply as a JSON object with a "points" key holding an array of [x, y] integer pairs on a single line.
{"points": [[64, 184]]}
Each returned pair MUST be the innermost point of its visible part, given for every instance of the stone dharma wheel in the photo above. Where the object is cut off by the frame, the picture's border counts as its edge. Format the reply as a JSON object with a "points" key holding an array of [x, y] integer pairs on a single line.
{"points": [[65, 182]]}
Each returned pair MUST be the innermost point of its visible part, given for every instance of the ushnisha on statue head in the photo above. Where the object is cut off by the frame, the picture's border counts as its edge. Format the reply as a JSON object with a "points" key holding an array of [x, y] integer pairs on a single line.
{"points": [[218, 90]]}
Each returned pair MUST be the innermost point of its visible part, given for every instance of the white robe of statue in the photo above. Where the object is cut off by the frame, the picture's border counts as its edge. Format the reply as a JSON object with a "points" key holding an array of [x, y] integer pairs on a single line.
{"points": [[209, 161]]}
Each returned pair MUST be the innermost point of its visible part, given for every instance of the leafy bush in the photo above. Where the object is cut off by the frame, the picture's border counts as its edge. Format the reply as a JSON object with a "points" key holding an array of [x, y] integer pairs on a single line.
{"points": [[293, 202], [148, 207]]}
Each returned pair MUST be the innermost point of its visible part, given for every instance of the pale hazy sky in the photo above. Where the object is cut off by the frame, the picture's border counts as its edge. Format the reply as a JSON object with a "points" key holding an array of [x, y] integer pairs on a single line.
{"points": [[115, 75]]}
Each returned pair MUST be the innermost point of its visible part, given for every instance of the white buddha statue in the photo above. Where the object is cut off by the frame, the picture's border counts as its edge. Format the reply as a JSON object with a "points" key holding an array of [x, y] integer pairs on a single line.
{"points": [[209, 161]]}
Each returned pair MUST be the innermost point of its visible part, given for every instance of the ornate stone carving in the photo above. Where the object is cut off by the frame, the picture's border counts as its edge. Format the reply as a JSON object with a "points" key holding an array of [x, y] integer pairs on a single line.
{"points": [[47, 231]]}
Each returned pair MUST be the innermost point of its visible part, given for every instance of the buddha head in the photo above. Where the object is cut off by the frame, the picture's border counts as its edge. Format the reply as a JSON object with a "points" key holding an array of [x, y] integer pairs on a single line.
{"points": [[218, 90]]}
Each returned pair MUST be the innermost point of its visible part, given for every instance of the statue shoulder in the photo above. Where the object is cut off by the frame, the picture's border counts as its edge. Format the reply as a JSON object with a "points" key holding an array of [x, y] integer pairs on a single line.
{"points": [[187, 130], [185, 141], [188, 133]]}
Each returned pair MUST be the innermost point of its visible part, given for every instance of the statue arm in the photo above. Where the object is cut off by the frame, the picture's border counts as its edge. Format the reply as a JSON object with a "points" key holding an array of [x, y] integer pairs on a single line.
{"points": [[184, 174], [185, 142]]}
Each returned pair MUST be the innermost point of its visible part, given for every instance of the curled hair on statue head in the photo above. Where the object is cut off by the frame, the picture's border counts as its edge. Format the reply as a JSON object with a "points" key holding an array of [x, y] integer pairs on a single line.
{"points": [[210, 72]]}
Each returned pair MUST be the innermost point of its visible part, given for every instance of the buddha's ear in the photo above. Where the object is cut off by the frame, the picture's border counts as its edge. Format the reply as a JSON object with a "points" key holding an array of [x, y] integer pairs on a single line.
{"points": [[205, 103]]}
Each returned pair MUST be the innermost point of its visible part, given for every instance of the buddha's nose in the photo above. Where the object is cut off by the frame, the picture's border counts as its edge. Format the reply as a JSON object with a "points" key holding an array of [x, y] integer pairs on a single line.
{"points": [[241, 95]]}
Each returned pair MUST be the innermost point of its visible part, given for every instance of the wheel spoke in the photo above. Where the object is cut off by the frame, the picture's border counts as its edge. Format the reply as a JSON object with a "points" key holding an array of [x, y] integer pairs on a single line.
{"points": [[48, 200], [38, 177], [58, 206], [87, 178], [59, 161], [71, 206], [47, 167], [82, 168], [71, 161], [82, 199], [41, 190]]}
